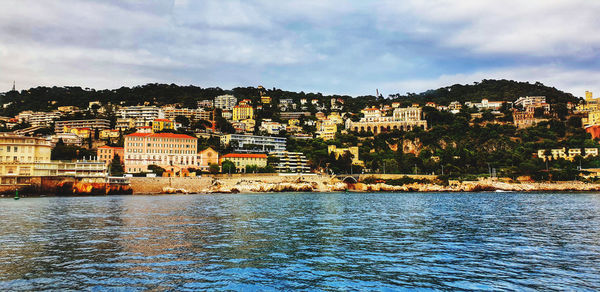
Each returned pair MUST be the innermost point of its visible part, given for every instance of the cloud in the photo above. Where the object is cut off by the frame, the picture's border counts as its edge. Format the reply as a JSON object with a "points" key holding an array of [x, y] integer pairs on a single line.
{"points": [[346, 47]]}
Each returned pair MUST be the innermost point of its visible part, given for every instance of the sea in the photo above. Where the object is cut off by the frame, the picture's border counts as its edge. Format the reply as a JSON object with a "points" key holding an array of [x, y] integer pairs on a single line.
{"points": [[302, 241]]}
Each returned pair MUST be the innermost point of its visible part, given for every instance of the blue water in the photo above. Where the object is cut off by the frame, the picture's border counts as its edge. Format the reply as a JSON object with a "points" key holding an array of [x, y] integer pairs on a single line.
{"points": [[307, 241]]}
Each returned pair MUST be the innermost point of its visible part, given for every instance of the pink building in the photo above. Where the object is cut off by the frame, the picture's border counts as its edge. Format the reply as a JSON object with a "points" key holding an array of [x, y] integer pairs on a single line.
{"points": [[107, 154], [167, 150]]}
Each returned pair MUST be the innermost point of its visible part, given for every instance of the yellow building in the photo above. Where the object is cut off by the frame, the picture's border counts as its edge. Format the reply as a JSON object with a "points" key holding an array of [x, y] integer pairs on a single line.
{"points": [[162, 124], [293, 122], [340, 151], [81, 132], [249, 124], [242, 112], [593, 118], [335, 117], [242, 160], [265, 99], [326, 129], [109, 133]]}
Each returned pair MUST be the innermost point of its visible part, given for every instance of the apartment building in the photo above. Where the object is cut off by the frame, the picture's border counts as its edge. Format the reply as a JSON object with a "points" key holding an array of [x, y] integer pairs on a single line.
{"points": [[326, 129], [192, 114], [569, 154], [167, 150], [207, 103], [242, 112], [243, 160], [100, 124], [38, 119], [162, 124], [225, 102], [529, 100], [294, 162], [252, 143], [141, 115], [403, 119], [293, 115]]}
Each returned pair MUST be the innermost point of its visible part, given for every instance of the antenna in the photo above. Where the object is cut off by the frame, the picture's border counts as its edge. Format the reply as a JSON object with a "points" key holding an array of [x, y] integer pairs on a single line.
{"points": [[14, 88]]}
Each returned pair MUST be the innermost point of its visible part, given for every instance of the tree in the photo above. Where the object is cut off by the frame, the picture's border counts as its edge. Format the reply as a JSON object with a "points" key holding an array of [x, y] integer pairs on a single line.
{"points": [[116, 168], [213, 168], [228, 167], [183, 120], [156, 169]]}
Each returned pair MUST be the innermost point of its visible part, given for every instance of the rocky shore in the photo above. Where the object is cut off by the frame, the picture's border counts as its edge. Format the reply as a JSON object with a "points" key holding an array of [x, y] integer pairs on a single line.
{"points": [[261, 184]]}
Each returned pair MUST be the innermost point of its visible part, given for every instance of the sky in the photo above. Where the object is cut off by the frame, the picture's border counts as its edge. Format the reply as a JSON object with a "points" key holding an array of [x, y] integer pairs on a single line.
{"points": [[332, 47]]}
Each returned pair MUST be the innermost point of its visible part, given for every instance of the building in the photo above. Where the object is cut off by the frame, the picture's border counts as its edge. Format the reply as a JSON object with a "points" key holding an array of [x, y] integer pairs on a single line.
{"points": [[252, 143], [67, 139], [525, 119], [485, 104], [403, 119], [22, 158], [95, 124], [107, 154], [225, 102], [68, 109], [529, 100], [109, 134], [341, 151], [265, 99], [563, 153], [593, 118], [38, 119], [271, 127], [293, 115], [207, 157], [242, 112], [243, 160], [326, 129], [167, 150], [84, 133], [141, 115], [162, 124], [207, 103], [294, 162], [192, 114]]}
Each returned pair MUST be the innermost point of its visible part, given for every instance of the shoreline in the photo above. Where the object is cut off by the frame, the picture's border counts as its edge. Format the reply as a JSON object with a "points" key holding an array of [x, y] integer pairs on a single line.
{"points": [[318, 184]]}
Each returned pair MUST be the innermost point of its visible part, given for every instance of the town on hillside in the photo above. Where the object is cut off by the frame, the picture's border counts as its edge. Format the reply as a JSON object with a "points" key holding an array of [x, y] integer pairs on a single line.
{"points": [[97, 136]]}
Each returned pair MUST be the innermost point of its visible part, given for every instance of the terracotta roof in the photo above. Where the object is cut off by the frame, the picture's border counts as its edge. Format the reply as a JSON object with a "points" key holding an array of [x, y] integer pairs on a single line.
{"points": [[161, 135], [110, 147], [244, 155]]}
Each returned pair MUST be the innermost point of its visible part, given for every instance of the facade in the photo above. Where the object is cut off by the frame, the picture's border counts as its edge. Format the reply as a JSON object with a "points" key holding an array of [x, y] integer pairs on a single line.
{"points": [[242, 112], [293, 115], [100, 124], [22, 158], [294, 162], [162, 124], [242, 160], [252, 143], [265, 99], [192, 114], [207, 157], [485, 104], [271, 127], [403, 119], [38, 119], [106, 154], [167, 150], [207, 103], [326, 129], [530, 100], [341, 151], [525, 119], [141, 115], [225, 102], [67, 139], [109, 134]]}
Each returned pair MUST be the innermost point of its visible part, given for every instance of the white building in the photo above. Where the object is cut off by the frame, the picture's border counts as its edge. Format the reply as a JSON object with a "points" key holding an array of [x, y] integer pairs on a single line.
{"points": [[251, 143], [225, 102]]}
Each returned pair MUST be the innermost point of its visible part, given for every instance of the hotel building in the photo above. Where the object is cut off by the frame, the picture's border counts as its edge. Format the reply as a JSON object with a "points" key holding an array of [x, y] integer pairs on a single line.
{"points": [[290, 162], [167, 150], [225, 102]]}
